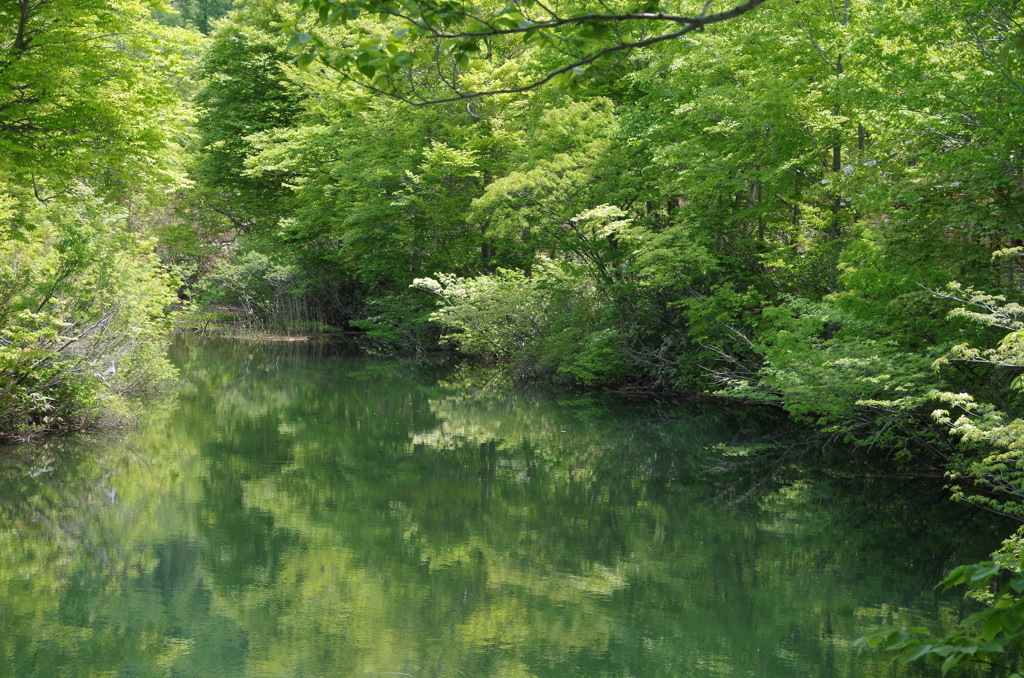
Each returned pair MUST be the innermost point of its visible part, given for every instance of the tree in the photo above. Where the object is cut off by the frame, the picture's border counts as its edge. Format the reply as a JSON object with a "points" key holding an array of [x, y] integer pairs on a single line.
{"points": [[202, 13], [87, 91], [244, 92], [91, 125]]}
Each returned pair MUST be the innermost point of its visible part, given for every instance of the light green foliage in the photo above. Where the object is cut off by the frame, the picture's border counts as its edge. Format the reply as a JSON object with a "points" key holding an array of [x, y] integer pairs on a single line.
{"points": [[200, 14], [501, 314], [557, 198], [601, 361], [244, 92], [826, 368], [88, 90], [987, 421], [545, 322], [92, 129], [247, 178], [83, 314], [748, 152], [266, 290], [376, 194], [398, 324]]}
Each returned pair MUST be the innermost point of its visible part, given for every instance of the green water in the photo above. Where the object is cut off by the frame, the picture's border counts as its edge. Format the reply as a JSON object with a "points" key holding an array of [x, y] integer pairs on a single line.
{"points": [[303, 513]]}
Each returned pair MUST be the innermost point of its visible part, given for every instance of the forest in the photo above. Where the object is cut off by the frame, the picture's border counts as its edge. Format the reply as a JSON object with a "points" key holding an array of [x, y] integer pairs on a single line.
{"points": [[815, 206]]}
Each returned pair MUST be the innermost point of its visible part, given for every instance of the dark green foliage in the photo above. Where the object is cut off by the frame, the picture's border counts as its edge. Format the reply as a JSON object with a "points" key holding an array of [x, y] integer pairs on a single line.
{"points": [[398, 324], [201, 13], [993, 636]]}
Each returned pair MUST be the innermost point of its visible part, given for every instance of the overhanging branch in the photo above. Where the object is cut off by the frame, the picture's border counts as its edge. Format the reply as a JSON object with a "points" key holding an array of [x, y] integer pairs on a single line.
{"points": [[424, 17]]}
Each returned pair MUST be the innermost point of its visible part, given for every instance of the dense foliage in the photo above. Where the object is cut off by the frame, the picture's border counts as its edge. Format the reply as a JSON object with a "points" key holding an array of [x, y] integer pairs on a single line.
{"points": [[814, 205], [92, 122]]}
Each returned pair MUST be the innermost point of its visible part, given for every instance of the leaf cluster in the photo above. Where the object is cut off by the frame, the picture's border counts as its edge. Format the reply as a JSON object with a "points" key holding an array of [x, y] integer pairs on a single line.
{"points": [[992, 637]]}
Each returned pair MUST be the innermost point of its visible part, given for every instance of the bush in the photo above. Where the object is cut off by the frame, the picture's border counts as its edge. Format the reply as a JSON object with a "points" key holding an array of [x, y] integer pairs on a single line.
{"points": [[83, 315], [550, 322]]}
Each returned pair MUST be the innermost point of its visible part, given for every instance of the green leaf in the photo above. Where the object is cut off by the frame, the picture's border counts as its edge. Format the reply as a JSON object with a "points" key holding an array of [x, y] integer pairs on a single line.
{"points": [[977, 617], [992, 626], [982, 572], [298, 39], [304, 60], [914, 653], [876, 636], [951, 661], [1011, 619], [344, 13], [596, 31]]}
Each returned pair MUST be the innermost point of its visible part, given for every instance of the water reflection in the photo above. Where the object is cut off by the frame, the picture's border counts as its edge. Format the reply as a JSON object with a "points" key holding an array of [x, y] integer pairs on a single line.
{"points": [[304, 513]]}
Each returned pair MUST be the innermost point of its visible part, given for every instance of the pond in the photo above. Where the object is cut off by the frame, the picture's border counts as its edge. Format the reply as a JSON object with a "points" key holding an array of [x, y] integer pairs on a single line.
{"points": [[299, 511]]}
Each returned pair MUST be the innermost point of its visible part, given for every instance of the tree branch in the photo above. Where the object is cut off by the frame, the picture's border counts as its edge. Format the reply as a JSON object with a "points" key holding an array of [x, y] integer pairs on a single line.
{"points": [[421, 18]]}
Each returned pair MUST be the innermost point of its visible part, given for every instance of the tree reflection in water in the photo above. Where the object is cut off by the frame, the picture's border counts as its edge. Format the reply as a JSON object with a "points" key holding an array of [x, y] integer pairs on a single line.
{"points": [[300, 512]]}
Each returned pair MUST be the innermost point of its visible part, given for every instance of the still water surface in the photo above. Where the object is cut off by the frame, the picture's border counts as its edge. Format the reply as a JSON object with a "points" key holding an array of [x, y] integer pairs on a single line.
{"points": [[297, 512]]}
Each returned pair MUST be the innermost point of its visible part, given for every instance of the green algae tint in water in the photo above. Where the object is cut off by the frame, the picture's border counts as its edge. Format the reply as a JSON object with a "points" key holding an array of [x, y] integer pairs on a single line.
{"points": [[304, 514]]}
